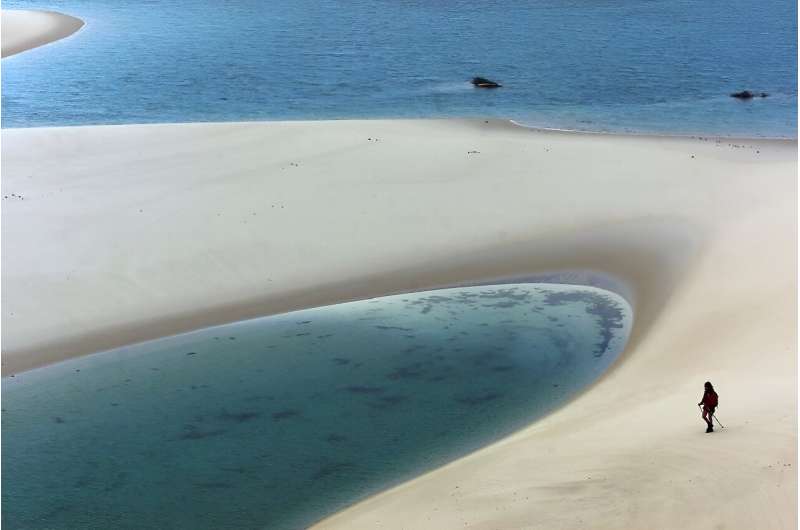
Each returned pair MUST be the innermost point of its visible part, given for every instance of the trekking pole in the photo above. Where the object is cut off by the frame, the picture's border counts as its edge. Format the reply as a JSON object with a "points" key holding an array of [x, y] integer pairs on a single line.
{"points": [[713, 416]]}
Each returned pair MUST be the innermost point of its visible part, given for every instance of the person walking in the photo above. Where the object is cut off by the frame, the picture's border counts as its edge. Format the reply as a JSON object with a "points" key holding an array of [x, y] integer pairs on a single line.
{"points": [[709, 402]]}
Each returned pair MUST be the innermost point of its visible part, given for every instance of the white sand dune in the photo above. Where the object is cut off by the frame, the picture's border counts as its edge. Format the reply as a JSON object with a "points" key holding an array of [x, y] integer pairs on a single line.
{"points": [[119, 234], [22, 30]]}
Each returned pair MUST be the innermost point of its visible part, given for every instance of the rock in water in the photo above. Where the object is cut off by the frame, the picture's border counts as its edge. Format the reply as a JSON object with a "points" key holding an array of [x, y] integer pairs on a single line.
{"points": [[746, 94], [482, 82]]}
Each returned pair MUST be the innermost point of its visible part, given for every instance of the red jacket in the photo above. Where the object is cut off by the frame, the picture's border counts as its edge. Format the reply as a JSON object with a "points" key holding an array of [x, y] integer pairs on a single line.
{"points": [[710, 399]]}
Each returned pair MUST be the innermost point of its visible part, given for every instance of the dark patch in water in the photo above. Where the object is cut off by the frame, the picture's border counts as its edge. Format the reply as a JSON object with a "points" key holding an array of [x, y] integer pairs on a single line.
{"points": [[479, 400], [199, 435], [239, 417], [191, 353], [335, 438], [304, 322], [358, 389], [58, 419], [258, 398], [503, 368], [213, 485], [341, 361], [57, 511], [502, 305], [433, 299], [608, 313], [386, 402], [398, 328], [328, 470], [484, 358], [409, 371], [509, 293], [302, 334], [237, 470], [284, 414]]}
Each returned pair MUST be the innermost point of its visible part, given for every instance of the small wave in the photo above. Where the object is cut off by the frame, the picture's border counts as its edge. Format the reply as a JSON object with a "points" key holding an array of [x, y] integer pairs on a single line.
{"points": [[451, 87]]}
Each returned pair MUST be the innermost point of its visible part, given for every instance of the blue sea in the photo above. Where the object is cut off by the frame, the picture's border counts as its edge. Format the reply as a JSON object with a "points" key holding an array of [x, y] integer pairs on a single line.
{"points": [[649, 66], [280, 421]]}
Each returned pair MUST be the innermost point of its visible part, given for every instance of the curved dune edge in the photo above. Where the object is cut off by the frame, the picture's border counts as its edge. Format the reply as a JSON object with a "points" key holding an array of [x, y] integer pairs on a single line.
{"points": [[129, 233], [23, 30]]}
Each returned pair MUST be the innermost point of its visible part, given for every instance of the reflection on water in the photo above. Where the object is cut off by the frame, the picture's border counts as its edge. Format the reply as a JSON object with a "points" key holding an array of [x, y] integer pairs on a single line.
{"points": [[276, 422]]}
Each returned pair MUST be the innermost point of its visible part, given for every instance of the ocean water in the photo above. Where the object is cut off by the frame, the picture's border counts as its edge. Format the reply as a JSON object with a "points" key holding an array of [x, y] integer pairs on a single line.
{"points": [[279, 421], [661, 66]]}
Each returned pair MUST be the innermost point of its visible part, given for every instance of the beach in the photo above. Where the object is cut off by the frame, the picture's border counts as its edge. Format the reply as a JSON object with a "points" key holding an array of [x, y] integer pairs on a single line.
{"points": [[23, 30], [113, 235]]}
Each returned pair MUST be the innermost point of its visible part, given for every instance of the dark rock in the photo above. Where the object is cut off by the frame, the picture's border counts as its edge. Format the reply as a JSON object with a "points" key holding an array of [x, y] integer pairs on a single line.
{"points": [[746, 94], [482, 82]]}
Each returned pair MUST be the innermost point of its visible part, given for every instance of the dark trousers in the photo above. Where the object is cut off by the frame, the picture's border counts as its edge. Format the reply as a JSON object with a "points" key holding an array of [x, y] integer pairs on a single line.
{"points": [[707, 412]]}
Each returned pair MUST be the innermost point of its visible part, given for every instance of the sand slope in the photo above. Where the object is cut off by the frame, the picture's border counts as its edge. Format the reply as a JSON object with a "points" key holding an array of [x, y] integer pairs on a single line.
{"points": [[22, 30], [118, 234]]}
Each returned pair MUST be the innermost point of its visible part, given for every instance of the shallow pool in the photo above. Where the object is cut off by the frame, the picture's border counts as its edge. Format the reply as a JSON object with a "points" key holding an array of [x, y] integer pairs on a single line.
{"points": [[279, 421]]}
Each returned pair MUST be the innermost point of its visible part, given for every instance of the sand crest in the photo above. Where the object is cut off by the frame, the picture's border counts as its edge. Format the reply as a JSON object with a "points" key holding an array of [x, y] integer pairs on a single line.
{"points": [[23, 30], [113, 235]]}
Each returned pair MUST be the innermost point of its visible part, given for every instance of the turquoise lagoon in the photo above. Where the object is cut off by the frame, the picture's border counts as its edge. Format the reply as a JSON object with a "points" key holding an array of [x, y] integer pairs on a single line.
{"points": [[279, 421]]}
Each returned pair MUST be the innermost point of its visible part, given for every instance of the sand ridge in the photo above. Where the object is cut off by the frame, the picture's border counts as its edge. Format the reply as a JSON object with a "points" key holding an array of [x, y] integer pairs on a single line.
{"points": [[118, 234], [23, 29]]}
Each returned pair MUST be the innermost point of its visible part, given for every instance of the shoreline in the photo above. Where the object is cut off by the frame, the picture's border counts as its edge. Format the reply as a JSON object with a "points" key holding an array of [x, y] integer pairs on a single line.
{"points": [[510, 121], [118, 234], [27, 29], [585, 279]]}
